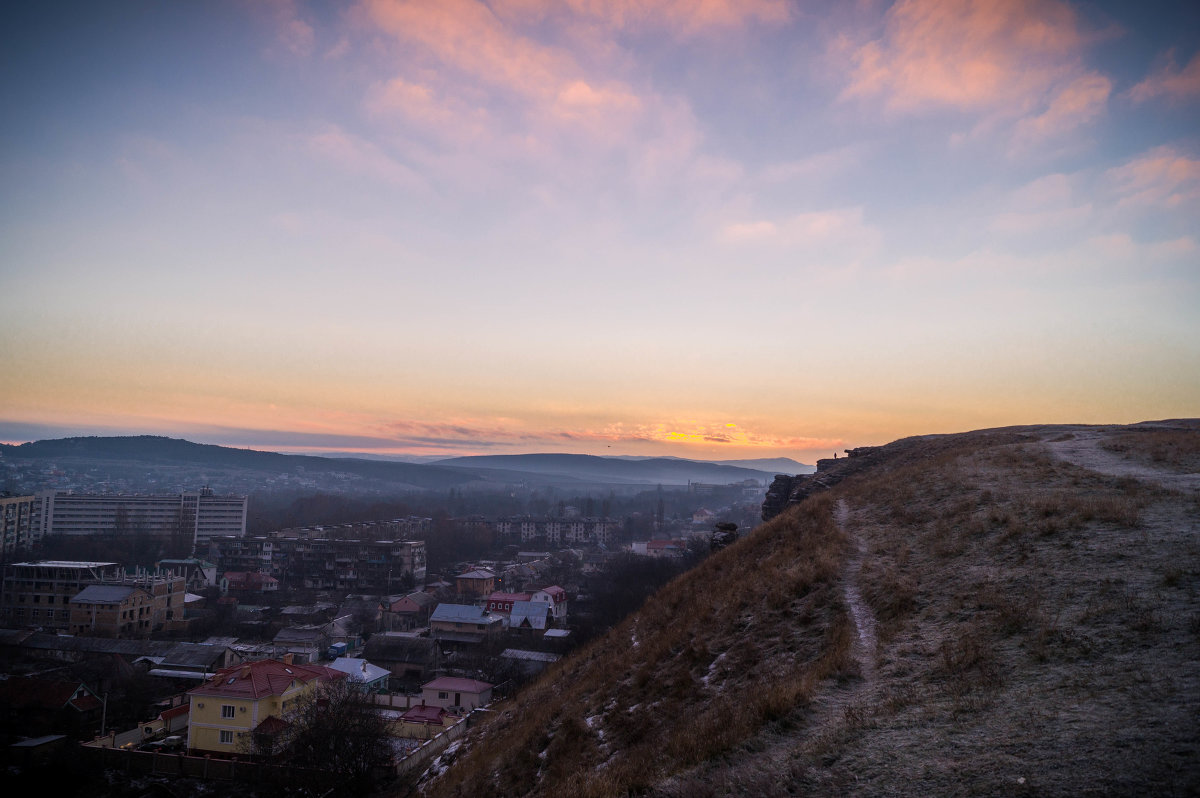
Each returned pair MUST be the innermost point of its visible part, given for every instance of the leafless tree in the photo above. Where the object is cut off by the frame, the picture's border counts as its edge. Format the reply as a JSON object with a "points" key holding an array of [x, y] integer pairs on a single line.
{"points": [[335, 730]]}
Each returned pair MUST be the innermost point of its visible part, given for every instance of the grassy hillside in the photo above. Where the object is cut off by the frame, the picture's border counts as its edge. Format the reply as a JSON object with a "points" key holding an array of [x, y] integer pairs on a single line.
{"points": [[974, 615]]}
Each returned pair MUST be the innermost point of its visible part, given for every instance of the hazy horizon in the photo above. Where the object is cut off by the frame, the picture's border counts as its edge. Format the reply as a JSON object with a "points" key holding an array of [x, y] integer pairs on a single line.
{"points": [[714, 230]]}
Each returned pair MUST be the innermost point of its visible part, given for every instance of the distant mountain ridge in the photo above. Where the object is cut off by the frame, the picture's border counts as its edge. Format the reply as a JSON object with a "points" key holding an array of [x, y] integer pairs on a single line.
{"points": [[176, 451], [663, 470], [577, 470]]}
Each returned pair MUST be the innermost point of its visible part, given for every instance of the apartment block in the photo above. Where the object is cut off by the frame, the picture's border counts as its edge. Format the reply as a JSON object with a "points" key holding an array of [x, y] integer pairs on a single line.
{"points": [[189, 518], [351, 565], [41, 594], [19, 527], [558, 531]]}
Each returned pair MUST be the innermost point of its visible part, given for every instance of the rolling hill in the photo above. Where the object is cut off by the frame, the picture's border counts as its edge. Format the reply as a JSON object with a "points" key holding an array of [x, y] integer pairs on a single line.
{"points": [[610, 470], [1009, 612], [574, 471]]}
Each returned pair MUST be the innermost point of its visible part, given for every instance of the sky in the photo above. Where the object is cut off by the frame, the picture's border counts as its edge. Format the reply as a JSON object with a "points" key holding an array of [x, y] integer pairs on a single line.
{"points": [[705, 228]]}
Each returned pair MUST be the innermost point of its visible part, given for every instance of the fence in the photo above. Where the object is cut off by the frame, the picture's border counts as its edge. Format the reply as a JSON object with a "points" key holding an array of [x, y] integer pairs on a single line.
{"points": [[199, 767], [431, 748]]}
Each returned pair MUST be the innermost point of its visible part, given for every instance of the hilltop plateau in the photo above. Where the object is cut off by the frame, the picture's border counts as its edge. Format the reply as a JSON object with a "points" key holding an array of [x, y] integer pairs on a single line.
{"points": [[1011, 611]]}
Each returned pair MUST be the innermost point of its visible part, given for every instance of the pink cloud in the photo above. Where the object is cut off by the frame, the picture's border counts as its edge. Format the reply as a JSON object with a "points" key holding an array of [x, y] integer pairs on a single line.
{"points": [[466, 36], [1171, 82], [1005, 61], [1162, 177], [681, 17], [966, 54], [1078, 103]]}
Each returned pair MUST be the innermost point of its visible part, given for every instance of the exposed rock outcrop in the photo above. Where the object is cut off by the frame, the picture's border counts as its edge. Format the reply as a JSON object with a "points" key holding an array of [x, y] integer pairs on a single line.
{"points": [[787, 490]]}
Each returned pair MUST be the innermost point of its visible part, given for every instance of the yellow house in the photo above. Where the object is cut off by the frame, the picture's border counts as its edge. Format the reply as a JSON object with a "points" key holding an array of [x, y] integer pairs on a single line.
{"points": [[236, 701]]}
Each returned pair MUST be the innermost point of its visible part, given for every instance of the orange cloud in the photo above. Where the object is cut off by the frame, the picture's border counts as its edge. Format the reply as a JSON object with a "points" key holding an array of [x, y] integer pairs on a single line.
{"points": [[1171, 82]]}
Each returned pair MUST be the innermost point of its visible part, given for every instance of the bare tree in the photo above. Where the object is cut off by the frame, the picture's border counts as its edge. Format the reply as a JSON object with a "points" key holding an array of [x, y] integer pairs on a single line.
{"points": [[335, 729]]}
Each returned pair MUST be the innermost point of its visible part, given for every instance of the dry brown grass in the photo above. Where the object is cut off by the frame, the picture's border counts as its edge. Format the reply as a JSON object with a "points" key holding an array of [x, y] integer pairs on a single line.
{"points": [[1174, 449], [1036, 621], [738, 643]]}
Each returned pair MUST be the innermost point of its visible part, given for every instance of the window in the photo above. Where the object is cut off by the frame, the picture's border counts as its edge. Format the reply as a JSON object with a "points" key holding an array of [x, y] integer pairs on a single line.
{"points": [[443, 695], [226, 734], [227, 710]]}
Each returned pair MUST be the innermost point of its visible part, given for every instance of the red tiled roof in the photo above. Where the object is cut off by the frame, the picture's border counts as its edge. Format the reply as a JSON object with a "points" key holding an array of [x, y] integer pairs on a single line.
{"points": [[509, 597], [175, 712], [272, 725], [263, 678], [86, 703], [424, 714], [453, 684], [249, 579], [31, 692]]}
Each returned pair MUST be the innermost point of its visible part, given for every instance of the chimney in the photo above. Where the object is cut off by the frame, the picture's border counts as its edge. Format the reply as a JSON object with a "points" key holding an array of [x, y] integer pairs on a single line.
{"points": [[287, 658]]}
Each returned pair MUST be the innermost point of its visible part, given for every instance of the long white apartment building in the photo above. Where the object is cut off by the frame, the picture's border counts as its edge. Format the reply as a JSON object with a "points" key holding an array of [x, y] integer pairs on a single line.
{"points": [[194, 516]]}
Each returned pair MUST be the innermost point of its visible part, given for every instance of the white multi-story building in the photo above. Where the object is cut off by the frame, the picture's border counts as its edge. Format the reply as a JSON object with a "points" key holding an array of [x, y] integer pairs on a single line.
{"points": [[193, 516]]}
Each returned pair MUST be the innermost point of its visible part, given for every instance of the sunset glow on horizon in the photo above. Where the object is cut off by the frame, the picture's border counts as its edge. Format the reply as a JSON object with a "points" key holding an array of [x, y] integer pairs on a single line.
{"points": [[714, 229]]}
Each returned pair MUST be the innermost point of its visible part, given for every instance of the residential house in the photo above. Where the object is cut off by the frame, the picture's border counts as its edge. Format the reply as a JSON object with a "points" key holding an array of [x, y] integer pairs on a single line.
{"points": [[409, 659], [304, 643], [463, 623], [502, 603], [453, 691], [237, 701], [479, 582], [530, 618], [407, 612], [362, 674], [169, 721], [33, 706], [244, 582], [556, 597], [424, 722]]}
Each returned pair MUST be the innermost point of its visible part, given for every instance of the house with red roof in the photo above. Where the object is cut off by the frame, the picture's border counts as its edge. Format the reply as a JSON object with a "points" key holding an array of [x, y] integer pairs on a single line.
{"points": [[453, 691], [235, 703], [556, 597], [248, 582], [502, 603], [40, 706], [169, 721], [424, 722]]}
